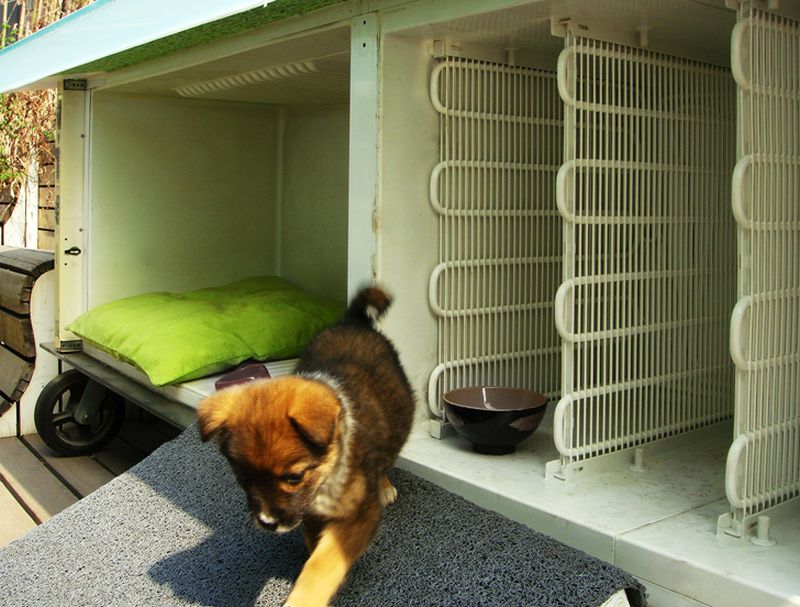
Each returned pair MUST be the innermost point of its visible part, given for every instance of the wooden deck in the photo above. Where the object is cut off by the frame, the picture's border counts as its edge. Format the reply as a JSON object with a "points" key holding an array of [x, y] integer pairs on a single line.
{"points": [[36, 483]]}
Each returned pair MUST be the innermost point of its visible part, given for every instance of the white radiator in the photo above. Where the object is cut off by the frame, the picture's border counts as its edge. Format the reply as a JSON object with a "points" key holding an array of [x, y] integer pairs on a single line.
{"points": [[649, 248], [499, 231], [763, 468]]}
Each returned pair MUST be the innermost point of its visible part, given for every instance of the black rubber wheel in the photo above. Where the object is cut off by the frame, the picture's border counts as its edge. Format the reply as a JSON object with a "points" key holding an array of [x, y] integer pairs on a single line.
{"points": [[55, 416]]}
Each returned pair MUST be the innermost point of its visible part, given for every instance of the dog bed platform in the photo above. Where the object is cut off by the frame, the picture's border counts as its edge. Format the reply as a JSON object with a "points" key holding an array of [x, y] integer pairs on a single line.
{"points": [[174, 531]]}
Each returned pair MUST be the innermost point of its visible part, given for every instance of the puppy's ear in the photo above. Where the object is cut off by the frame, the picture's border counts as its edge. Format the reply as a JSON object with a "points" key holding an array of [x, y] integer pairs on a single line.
{"points": [[314, 413], [213, 413]]}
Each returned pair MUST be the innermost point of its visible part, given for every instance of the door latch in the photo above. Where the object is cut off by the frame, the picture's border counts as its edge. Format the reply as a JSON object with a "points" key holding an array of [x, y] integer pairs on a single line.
{"points": [[72, 251]]}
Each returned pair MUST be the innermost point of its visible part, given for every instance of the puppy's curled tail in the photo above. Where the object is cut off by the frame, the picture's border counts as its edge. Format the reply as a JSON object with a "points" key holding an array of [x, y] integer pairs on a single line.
{"points": [[369, 304]]}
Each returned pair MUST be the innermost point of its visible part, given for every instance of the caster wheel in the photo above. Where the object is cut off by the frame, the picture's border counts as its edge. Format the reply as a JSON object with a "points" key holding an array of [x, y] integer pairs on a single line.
{"points": [[55, 421]]}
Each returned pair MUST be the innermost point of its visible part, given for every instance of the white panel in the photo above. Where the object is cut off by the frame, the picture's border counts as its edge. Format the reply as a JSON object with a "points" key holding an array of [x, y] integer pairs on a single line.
{"points": [[406, 229], [649, 260], [183, 194], [364, 132], [499, 234], [71, 221], [314, 200], [764, 460]]}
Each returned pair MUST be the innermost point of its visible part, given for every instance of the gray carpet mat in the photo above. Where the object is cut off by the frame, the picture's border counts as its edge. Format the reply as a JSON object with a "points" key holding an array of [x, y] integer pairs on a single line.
{"points": [[174, 531]]}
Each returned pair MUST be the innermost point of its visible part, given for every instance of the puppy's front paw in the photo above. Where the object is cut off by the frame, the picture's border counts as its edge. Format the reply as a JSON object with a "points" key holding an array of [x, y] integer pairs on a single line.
{"points": [[387, 493], [291, 605]]}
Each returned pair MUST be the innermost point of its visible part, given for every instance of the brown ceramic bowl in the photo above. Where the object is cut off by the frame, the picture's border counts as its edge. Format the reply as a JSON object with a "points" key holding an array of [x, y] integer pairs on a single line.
{"points": [[494, 419]]}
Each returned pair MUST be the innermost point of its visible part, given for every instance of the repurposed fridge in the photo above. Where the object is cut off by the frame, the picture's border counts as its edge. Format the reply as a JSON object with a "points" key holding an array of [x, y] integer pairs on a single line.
{"points": [[599, 201]]}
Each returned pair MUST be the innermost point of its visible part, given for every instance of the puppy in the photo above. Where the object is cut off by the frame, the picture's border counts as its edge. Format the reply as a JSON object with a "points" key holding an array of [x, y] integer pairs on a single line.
{"points": [[314, 447]]}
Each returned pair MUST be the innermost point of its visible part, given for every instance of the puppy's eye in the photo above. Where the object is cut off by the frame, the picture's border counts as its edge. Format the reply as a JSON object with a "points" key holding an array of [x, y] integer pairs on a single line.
{"points": [[294, 478]]}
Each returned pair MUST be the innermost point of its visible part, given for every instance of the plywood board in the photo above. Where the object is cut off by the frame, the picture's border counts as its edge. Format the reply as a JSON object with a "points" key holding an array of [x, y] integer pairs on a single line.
{"points": [[137, 439], [47, 174], [30, 479], [47, 240], [82, 473], [144, 437], [15, 522], [118, 456], [47, 197], [47, 215]]}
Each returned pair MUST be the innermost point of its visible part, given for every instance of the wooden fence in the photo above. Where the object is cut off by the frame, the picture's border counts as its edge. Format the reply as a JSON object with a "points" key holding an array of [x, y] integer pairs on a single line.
{"points": [[19, 18], [47, 205]]}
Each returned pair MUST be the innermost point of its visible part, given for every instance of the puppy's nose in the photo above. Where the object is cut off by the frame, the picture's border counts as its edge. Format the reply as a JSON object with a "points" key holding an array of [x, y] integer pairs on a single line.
{"points": [[267, 522]]}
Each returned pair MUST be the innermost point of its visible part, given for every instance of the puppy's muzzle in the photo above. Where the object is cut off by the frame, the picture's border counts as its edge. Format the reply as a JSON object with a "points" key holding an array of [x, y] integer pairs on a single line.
{"points": [[267, 523], [273, 525]]}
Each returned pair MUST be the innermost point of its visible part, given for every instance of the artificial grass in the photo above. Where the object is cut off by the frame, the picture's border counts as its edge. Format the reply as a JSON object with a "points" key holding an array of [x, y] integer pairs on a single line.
{"points": [[236, 24]]}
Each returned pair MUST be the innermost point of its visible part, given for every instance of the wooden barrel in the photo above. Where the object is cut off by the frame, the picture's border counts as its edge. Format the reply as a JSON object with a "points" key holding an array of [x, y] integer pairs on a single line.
{"points": [[19, 269]]}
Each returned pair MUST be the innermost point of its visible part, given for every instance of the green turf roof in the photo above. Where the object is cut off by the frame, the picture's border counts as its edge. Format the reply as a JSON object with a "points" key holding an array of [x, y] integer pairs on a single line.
{"points": [[275, 11]]}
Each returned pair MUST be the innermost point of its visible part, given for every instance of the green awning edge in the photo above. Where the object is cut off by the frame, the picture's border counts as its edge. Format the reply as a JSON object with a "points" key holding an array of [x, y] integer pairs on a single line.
{"points": [[236, 24]]}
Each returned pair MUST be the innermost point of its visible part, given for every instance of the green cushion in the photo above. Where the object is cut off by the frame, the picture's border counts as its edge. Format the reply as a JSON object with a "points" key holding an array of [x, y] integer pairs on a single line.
{"points": [[176, 337]]}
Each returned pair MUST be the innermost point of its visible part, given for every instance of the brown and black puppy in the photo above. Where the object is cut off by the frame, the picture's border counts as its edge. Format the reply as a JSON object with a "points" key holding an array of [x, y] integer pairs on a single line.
{"points": [[314, 447]]}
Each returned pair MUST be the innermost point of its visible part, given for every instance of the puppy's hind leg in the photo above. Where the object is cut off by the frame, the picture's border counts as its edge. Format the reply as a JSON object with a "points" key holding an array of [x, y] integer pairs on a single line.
{"points": [[339, 545], [387, 491]]}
